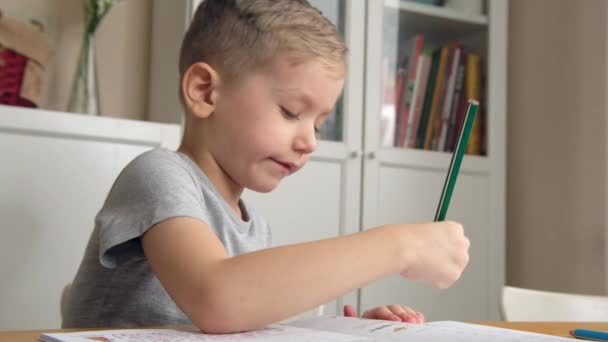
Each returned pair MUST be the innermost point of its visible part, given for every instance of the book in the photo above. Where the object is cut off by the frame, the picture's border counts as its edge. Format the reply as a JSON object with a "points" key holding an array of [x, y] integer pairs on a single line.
{"points": [[404, 109], [457, 98], [442, 97], [400, 84], [428, 99], [338, 329], [387, 114], [473, 91], [422, 76], [448, 101], [438, 94]]}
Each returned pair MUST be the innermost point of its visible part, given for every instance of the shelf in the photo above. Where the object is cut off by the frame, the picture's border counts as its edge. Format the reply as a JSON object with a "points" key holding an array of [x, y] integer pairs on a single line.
{"points": [[432, 160], [429, 19], [76, 126]]}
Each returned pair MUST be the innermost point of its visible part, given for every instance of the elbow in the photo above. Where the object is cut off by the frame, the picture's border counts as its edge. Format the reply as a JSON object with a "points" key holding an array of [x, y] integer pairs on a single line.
{"points": [[210, 325], [211, 322], [219, 314]]}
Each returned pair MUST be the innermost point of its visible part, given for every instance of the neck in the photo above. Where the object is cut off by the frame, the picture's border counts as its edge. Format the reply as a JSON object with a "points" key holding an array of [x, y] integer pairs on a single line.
{"points": [[229, 190]]}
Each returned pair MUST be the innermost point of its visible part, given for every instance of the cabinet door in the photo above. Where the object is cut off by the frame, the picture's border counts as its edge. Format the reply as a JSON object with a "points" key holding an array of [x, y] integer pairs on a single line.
{"points": [[57, 170], [410, 194], [403, 179], [323, 199]]}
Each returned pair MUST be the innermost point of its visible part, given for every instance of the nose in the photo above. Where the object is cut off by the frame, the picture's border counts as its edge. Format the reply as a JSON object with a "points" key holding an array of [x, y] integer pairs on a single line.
{"points": [[306, 140]]}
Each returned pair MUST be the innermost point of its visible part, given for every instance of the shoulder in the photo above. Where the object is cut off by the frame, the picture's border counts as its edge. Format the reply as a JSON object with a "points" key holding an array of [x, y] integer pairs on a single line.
{"points": [[157, 169], [155, 186], [159, 179], [155, 161]]}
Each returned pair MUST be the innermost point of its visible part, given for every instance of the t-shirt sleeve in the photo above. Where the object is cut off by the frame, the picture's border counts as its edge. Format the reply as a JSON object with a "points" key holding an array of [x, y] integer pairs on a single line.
{"points": [[149, 190]]}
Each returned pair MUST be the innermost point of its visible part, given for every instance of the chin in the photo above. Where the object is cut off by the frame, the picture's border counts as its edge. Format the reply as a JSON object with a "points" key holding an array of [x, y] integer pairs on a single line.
{"points": [[263, 187]]}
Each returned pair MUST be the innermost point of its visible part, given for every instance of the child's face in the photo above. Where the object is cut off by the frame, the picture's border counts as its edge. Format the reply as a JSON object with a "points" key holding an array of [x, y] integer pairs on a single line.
{"points": [[264, 125]]}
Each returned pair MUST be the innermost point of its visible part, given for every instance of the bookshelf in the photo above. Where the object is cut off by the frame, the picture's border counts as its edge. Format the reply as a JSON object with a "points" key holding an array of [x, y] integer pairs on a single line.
{"points": [[403, 183]]}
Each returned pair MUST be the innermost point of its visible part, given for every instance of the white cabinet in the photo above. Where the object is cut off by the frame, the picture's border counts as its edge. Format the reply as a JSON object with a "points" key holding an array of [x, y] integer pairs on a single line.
{"points": [[404, 184], [353, 182], [56, 170]]}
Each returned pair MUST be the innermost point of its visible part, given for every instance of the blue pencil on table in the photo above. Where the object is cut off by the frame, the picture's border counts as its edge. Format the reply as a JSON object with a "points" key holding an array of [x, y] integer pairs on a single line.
{"points": [[590, 335]]}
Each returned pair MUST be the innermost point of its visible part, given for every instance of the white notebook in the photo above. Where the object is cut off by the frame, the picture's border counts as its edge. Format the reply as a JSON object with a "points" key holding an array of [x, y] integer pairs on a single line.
{"points": [[338, 329]]}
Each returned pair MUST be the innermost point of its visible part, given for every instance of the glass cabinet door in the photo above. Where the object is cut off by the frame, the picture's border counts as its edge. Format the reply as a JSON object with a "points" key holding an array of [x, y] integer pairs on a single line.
{"points": [[423, 60], [433, 52], [334, 10]]}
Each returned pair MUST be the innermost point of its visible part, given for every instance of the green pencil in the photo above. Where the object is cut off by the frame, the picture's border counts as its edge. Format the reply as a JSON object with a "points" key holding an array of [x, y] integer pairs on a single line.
{"points": [[457, 155]]}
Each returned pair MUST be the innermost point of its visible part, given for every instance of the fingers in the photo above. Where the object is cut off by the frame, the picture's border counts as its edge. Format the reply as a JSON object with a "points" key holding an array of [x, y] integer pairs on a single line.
{"points": [[399, 313], [421, 317], [443, 256], [350, 311], [406, 314], [460, 256], [381, 312]]}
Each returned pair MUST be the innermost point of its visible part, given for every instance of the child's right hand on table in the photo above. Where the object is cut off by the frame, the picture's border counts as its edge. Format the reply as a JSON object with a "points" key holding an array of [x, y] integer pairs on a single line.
{"points": [[436, 252], [399, 313]]}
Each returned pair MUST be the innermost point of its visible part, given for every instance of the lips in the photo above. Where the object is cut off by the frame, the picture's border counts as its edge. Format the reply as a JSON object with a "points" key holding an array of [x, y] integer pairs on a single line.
{"points": [[287, 166]]}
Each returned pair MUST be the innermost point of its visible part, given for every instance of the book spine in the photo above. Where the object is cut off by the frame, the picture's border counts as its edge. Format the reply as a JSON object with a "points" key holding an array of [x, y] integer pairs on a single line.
{"points": [[422, 76], [428, 99], [400, 84], [387, 121], [447, 103], [437, 98], [456, 99], [409, 89], [473, 91]]}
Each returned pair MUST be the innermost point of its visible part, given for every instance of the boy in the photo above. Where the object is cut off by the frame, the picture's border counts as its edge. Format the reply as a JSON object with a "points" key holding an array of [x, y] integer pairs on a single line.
{"points": [[175, 244]]}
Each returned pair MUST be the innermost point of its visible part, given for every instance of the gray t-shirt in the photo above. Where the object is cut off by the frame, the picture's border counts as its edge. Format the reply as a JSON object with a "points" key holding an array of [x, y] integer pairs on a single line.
{"points": [[114, 286]]}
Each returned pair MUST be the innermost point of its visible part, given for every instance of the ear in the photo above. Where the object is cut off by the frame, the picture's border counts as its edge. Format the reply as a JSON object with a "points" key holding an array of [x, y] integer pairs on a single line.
{"points": [[200, 89]]}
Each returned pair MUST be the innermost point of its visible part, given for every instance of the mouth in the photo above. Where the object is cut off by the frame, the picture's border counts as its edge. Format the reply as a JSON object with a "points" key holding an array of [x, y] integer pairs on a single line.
{"points": [[286, 167]]}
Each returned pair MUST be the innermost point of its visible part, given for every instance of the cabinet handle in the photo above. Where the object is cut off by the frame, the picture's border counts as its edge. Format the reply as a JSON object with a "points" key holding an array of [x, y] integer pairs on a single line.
{"points": [[353, 154], [371, 155]]}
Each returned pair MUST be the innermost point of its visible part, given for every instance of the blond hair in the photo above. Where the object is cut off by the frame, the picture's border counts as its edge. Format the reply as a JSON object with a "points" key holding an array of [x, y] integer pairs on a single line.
{"points": [[238, 36]]}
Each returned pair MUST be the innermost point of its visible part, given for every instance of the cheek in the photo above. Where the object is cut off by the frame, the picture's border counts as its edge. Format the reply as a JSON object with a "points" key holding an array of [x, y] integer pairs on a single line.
{"points": [[264, 139]]}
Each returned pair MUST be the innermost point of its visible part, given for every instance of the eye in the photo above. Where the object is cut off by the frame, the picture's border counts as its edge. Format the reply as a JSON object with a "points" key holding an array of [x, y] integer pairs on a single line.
{"points": [[288, 114]]}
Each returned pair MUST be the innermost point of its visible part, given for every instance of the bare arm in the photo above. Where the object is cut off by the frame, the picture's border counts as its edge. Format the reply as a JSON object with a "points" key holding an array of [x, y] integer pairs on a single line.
{"points": [[223, 294]]}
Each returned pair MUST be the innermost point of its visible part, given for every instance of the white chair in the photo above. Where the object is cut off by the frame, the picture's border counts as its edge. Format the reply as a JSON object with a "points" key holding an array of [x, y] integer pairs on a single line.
{"points": [[520, 304]]}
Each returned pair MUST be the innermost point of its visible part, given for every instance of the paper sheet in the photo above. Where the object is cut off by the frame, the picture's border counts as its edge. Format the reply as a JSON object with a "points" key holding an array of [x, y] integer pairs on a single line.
{"points": [[429, 332]]}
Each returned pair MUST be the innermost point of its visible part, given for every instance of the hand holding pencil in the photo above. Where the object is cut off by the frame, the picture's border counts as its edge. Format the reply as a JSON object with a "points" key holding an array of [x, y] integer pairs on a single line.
{"points": [[442, 247], [438, 253]]}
